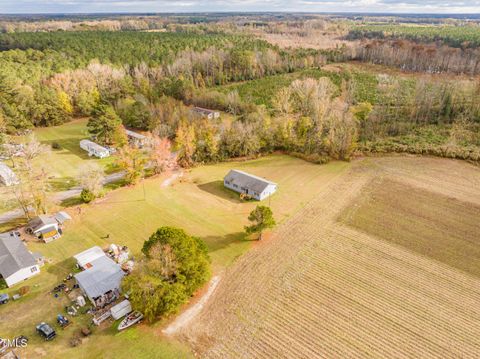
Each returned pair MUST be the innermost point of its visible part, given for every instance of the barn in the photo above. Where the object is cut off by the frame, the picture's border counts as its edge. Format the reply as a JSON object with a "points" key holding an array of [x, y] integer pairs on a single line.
{"points": [[16, 262], [246, 183]]}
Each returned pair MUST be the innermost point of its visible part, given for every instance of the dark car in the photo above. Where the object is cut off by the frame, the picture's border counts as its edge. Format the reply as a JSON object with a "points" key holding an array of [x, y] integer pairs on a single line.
{"points": [[46, 331], [4, 298]]}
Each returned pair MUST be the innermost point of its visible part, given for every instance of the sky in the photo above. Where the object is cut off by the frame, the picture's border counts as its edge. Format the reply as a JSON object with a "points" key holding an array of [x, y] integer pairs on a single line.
{"points": [[96, 6]]}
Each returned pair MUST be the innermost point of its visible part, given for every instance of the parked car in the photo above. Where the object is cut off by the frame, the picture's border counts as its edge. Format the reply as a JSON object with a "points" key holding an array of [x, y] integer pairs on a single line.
{"points": [[4, 298], [46, 331]]}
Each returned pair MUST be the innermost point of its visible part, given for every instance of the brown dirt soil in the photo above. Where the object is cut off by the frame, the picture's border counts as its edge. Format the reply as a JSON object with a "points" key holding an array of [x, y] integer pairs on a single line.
{"points": [[320, 288]]}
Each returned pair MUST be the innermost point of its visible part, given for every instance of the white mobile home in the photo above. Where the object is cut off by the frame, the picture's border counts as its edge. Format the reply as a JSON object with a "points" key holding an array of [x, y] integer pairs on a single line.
{"points": [[254, 186], [16, 262], [94, 149], [7, 176]]}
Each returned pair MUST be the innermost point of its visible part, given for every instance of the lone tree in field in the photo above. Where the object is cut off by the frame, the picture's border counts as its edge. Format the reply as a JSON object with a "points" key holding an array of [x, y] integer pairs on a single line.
{"points": [[174, 267], [91, 178], [261, 219]]}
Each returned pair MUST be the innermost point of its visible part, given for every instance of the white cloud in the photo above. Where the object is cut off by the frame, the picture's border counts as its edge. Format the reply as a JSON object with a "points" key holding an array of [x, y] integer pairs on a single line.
{"points": [[87, 6]]}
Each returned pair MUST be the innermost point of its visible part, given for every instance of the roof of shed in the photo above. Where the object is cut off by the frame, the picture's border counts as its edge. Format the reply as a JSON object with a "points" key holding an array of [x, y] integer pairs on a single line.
{"points": [[13, 255], [89, 256], [41, 221], [135, 135], [247, 180], [104, 276]]}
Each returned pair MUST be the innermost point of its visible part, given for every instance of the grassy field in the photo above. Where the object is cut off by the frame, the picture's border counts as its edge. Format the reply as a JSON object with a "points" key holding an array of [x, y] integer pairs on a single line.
{"points": [[197, 202], [65, 163], [321, 288]]}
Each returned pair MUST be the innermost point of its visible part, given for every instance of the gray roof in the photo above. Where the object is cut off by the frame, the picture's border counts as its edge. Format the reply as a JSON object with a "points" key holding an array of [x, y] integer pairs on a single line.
{"points": [[104, 276], [247, 180], [93, 145], [204, 111], [40, 221], [13, 255], [135, 135], [62, 216]]}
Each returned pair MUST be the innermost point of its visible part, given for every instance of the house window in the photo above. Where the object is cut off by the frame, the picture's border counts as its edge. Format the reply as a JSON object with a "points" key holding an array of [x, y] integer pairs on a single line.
{"points": [[33, 269], [226, 182], [235, 186]]}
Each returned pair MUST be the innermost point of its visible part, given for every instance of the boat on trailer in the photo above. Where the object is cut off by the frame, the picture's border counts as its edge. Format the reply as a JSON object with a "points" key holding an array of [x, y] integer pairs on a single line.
{"points": [[131, 319]]}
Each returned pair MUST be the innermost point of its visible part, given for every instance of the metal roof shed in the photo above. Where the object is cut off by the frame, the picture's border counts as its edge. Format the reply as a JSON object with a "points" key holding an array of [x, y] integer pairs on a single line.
{"points": [[104, 276], [86, 258]]}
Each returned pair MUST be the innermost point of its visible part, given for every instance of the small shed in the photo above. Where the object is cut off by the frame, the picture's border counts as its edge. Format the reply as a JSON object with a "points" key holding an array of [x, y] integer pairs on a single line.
{"points": [[101, 282], [121, 309], [86, 258], [94, 149], [136, 139], [204, 112], [44, 227], [61, 217]]}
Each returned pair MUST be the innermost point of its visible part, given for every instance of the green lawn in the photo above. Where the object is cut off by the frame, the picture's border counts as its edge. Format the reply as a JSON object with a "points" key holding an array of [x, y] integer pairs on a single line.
{"points": [[198, 202], [64, 164]]}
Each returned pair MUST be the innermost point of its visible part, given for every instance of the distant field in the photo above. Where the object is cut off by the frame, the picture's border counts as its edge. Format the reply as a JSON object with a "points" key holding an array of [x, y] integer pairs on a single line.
{"points": [[198, 202], [262, 91], [432, 225], [457, 36], [319, 288]]}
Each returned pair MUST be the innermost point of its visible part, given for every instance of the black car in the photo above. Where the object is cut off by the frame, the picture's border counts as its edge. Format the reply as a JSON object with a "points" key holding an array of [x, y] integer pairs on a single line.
{"points": [[4, 298], [46, 331]]}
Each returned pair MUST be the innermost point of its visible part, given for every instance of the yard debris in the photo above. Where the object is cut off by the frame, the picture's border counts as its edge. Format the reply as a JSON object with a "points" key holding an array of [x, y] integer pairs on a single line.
{"points": [[63, 321]]}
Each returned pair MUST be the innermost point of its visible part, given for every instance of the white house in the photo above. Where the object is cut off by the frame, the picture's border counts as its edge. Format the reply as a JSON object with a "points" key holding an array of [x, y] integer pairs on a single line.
{"points": [[101, 280], [16, 262], [254, 186], [44, 227], [7, 176], [94, 149], [203, 112]]}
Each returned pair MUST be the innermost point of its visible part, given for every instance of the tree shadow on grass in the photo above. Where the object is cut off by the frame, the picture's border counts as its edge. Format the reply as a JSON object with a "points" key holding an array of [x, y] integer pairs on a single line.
{"points": [[71, 202], [62, 183], [68, 147], [217, 189], [61, 269], [216, 243]]}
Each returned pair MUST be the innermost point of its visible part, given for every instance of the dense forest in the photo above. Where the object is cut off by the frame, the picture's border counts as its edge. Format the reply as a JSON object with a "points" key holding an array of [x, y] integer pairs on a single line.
{"points": [[278, 97]]}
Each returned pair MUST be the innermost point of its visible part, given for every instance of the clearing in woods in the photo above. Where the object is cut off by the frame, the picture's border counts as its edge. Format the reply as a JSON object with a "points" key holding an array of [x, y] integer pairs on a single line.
{"points": [[384, 262]]}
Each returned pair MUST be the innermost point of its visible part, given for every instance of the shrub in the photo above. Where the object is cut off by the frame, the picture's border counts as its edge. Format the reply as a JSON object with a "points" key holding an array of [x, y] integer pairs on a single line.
{"points": [[56, 146], [87, 196]]}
